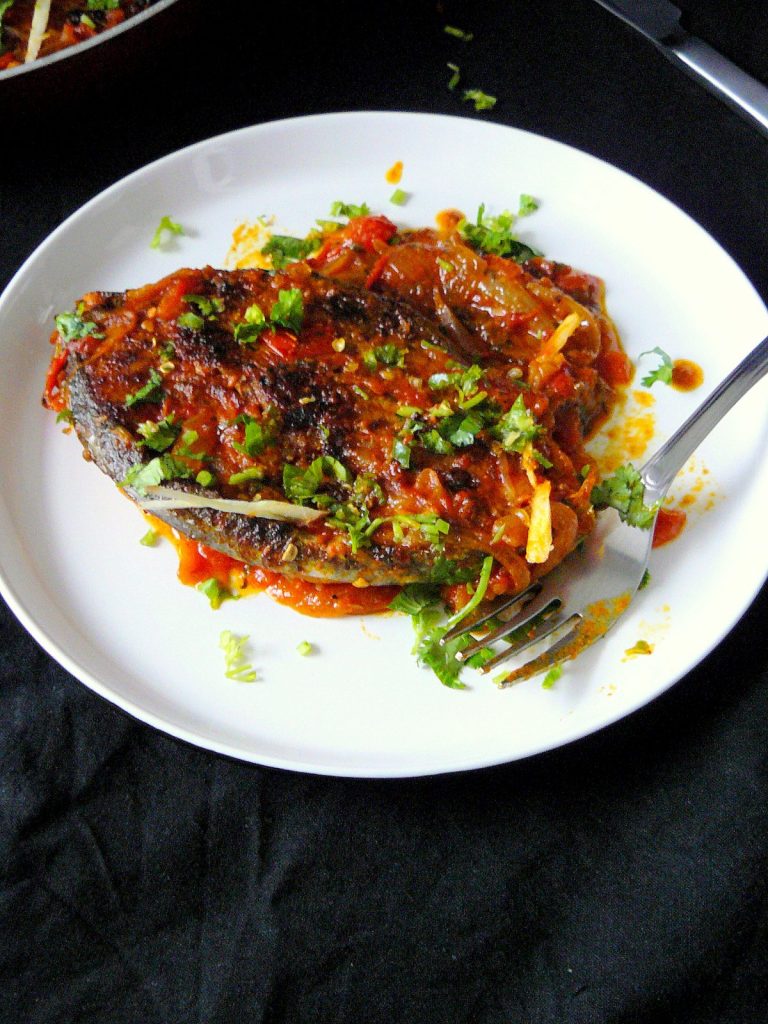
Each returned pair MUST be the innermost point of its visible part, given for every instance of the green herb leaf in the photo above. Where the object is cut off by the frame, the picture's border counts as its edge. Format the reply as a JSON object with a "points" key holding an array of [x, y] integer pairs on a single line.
{"points": [[302, 485], [399, 197], [285, 249], [161, 435], [624, 491], [528, 205], [214, 591], [401, 452], [339, 209], [645, 580], [236, 667], [152, 391], [252, 473], [304, 648], [495, 235], [149, 474], [481, 99], [150, 539], [168, 226], [191, 320], [65, 416], [517, 428], [458, 33], [288, 311], [71, 327], [103, 5], [551, 677], [663, 371], [207, 306], [259, 434], [455, 78], [204, 478], [252, 326], [414, 597], [390, 355]]}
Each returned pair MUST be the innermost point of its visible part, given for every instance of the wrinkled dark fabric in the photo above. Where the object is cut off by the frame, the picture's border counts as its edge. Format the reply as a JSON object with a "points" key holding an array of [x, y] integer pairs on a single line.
{"points": [[618, 880]]}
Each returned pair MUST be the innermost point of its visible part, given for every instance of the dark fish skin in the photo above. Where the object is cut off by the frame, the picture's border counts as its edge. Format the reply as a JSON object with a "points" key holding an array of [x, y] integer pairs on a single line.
{"points": [[103, 429]]}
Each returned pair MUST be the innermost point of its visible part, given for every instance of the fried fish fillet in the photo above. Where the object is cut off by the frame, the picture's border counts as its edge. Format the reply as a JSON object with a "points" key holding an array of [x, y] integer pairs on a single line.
{"points": [[418, 409]]}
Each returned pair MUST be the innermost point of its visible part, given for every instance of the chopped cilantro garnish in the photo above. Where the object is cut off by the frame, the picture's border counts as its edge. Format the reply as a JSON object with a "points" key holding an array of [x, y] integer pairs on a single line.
{"points": [[103, 5], [71, 326], [191, 320], [188, 439], [415, 597], [214, 591], [165, 225], [462, 430], [458, 33], [359, 391], [527, 206], [339, 209], [207, 306], [481, 99], [285, 249], [477, 597], [150, 538], [421, 601], [428, 523], [236, 667], [259, 434], [159, 436], [204, 478], [663, 371], [389, 355], [399, 197], [152, 391], [455, 78], [254, 322], [65, 416], [551, 677], [625, 491], [495, 235], [304, 648], [163, 467], [303, 485], [288, 311], [252, 473], [433, 442], [517, 428], [401, 452], [87, 21], [644, 581]]}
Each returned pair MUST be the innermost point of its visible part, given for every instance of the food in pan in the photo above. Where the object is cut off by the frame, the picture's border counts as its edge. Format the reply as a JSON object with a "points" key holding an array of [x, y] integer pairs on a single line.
{"points": [[384, 407], [37, 28]]}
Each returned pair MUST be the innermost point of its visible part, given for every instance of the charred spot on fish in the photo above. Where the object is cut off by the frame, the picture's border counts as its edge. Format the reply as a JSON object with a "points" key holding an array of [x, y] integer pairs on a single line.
{"points": [[457, 479], [210, 345]]}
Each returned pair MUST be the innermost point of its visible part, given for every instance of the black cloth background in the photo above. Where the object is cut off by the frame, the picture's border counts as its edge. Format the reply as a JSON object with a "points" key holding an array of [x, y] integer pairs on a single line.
{"points": [[621, 879]]}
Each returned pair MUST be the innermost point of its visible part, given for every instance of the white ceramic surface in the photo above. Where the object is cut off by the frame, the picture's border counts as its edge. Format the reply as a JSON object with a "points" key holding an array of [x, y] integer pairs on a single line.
{"points": [[113, 613]]}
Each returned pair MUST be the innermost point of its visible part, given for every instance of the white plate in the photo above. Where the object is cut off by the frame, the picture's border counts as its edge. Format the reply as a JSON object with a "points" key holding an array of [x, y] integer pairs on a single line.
{"points": [[112, 612]]}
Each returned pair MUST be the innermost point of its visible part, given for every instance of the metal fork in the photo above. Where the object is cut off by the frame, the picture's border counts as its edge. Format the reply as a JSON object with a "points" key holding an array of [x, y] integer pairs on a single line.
{"points": [[584, 596]]}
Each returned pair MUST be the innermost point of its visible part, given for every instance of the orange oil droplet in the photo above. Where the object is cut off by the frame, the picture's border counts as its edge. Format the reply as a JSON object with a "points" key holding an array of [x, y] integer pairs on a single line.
{"points": [[395, 173], [686, 375]]}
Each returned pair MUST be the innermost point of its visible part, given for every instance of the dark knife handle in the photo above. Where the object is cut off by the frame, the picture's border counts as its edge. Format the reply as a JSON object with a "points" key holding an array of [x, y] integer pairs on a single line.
{"points": [[723, 78]]}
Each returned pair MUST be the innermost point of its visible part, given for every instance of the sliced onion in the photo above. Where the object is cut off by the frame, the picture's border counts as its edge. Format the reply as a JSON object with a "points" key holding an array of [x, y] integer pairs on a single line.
{"points": [[37, 31], [169, 498]]}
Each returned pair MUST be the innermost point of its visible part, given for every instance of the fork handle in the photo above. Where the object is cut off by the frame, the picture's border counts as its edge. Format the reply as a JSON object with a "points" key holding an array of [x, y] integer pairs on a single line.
{"points": [[661, 469]]}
